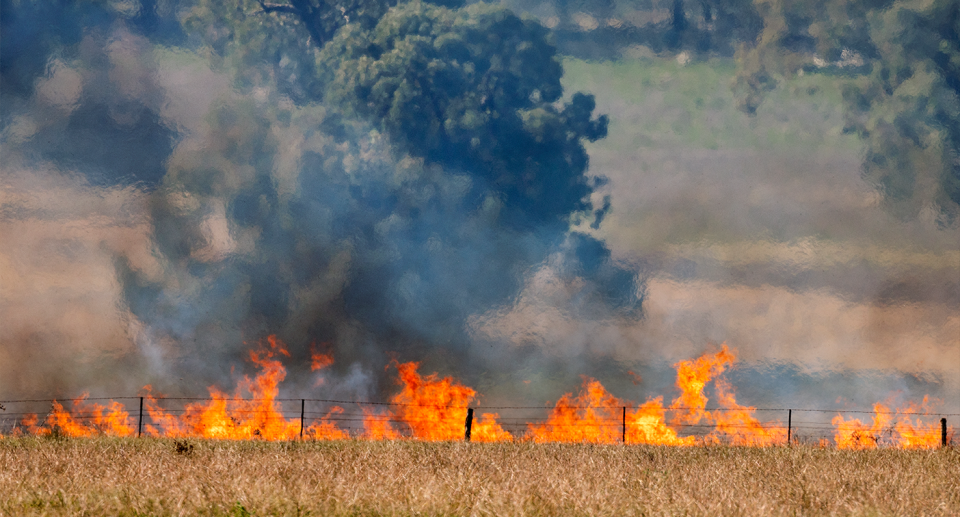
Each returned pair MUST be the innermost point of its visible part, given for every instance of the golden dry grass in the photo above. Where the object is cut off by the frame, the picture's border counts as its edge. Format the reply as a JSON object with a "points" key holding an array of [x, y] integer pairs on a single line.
{"points": [[109, 476]]}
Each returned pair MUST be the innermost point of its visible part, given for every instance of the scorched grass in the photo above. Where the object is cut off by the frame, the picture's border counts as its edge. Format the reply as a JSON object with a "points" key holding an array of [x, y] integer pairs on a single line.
{"points": [[110, 476]]}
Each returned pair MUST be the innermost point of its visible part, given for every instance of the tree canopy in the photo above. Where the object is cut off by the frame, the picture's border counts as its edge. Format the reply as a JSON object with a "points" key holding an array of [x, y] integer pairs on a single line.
{"points": [[474, 89], [902, 61]]}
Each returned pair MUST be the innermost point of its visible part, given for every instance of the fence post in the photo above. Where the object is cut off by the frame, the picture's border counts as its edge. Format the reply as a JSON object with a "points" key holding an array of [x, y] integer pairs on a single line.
{"points": [[303, 403], [789, 425], [140, 422], [943, 432], [624, 426], [468, 425]]}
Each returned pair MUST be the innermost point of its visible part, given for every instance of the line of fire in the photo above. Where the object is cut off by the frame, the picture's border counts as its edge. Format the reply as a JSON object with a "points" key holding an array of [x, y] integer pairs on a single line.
{"points": [[432, 408]]}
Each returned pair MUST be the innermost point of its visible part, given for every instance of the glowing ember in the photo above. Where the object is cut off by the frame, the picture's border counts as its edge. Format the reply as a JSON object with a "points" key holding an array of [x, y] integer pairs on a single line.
{"points": [[320, 361]]}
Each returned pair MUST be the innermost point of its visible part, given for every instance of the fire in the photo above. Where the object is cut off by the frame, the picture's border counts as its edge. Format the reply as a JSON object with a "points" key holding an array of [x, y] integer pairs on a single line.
{"points": [[646, 425], [30, 422], [738, 424], [435, 408], [431, 407], [592, 417], [487, 429], [377, 426], [111, 420], [596, 416], [907, 430], [234, 417], [325, 429], [914, 434], [732, 421], [692, 378], [854, 434], [320, 361]]}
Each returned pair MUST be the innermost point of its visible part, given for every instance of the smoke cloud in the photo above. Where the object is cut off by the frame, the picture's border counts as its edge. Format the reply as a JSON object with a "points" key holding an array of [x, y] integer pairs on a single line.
{"points": [[161, 214]]}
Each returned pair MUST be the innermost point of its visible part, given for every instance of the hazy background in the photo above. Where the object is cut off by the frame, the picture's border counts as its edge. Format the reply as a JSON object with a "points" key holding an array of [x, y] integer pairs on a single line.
{"points": [[166, 204]]}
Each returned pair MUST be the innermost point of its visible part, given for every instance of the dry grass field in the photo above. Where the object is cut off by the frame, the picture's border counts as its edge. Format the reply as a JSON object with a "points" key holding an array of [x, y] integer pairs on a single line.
{"points": [[117, 476]]}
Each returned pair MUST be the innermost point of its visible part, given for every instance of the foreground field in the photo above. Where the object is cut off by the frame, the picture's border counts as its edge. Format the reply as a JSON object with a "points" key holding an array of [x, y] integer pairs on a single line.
{"points": [[114, 476]]}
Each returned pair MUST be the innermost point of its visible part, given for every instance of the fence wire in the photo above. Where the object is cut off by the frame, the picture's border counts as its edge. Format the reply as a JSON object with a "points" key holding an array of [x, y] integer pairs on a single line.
{"points": [[105, 415]]}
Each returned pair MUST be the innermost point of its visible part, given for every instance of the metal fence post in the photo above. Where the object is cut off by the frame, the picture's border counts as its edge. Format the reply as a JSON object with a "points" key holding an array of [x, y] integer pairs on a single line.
{"points": [[140, 422], [303, 404]]}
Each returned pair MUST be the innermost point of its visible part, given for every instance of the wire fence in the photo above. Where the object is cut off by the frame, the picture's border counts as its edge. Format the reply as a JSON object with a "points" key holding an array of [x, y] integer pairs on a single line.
{"points": [[328, 418]]}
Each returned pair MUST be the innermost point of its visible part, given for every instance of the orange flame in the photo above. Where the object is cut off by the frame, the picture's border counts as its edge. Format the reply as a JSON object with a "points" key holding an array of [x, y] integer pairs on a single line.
{"points": [[854, 434], [914, 434], [436, 409], [595, 415], [325, 429], [692, 378], [738, 424], [377, 426], [115, 422], [319, 361], [591, 417], [30, 422], [487, 429], [909, 431], [236, 418], [646, 425]]}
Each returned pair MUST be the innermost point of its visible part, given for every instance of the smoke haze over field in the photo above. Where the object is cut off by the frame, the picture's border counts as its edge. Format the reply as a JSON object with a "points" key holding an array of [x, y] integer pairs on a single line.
{"points": [[165, 207]]}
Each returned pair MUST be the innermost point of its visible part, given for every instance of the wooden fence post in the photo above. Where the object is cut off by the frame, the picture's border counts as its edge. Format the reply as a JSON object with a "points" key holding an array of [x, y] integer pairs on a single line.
{"points": [[943, 432], [140, 422], [303, 403], [789, 425], [468, 425]]}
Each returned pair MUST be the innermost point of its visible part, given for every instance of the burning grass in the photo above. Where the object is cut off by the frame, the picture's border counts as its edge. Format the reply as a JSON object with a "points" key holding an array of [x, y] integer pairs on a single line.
{"points": [[431, 408], [158, 476]]}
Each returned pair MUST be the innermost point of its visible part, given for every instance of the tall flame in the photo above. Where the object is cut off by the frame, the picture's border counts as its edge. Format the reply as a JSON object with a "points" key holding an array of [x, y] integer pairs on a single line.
{"points": [[595, 415], [435, 408], [235, 417], [692, 377], [430, 407]]}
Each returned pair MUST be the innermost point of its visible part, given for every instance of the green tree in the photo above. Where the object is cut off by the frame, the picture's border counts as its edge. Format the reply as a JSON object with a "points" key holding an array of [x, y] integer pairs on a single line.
{"points": [[902, 92], [477, 89]]}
